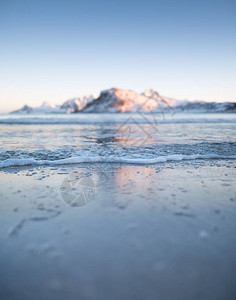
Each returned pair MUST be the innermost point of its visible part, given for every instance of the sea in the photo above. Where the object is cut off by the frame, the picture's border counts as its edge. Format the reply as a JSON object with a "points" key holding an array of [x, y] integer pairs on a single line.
{"points": [[131, 138]]}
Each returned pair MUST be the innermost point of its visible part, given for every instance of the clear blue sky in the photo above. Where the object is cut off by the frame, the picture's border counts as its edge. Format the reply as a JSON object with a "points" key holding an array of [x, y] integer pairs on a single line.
{"points": [[56, 50]]}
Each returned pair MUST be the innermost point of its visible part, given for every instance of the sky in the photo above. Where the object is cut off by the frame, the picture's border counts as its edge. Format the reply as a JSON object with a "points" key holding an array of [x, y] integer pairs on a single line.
{"points": [[56, 50]]}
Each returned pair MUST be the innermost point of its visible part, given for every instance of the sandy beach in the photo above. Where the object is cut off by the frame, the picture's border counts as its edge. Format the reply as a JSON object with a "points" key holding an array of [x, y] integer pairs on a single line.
{"points": [[118, 231]]}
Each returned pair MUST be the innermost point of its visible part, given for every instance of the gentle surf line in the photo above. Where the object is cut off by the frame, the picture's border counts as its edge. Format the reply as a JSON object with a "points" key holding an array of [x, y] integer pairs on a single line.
{"points": [[14, 162]]}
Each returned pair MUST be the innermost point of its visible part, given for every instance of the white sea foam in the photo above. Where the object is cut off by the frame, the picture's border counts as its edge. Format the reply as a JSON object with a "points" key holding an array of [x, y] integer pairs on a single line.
{"points": [[98, 159]]}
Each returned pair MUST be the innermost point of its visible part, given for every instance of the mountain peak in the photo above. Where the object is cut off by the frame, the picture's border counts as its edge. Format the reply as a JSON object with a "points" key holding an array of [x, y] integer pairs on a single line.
{"points": [[121, 100], [150, 93], [26, 109], [48, 104]]}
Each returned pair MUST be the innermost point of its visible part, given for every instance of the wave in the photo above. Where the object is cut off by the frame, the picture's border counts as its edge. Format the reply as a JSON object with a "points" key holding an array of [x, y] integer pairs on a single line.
{"points": [[16, 162]]}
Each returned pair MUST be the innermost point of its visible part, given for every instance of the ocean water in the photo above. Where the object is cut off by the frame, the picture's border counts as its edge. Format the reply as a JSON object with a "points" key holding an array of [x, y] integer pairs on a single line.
{"points": [[126, 138]]}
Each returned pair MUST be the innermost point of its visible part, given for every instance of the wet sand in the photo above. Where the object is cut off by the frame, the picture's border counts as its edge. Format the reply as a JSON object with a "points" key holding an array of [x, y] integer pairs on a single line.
{"points": [[113, 231]]}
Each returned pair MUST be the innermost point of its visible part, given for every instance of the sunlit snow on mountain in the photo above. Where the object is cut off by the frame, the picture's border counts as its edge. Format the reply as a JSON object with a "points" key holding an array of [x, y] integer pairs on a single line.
{"points": [[117, 100]]}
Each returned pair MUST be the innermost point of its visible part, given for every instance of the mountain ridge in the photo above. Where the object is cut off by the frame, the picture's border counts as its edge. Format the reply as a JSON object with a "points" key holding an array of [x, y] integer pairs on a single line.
{"points": [[116, 100]]}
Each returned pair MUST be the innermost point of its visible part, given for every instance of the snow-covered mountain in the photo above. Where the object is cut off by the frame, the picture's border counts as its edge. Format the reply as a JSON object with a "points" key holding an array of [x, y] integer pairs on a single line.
{"points": [[205, 107], [70, 106], [116, 100], [46, 107], [26, 109], [77, 104]]}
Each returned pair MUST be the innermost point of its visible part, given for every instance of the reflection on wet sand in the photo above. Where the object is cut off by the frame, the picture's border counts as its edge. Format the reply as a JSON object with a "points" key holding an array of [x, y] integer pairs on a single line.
{"points": [[131, 179]]}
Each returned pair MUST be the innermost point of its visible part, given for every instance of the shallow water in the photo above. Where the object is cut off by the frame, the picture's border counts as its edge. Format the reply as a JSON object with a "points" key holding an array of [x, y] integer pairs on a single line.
{"points": [[128, 138]]}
